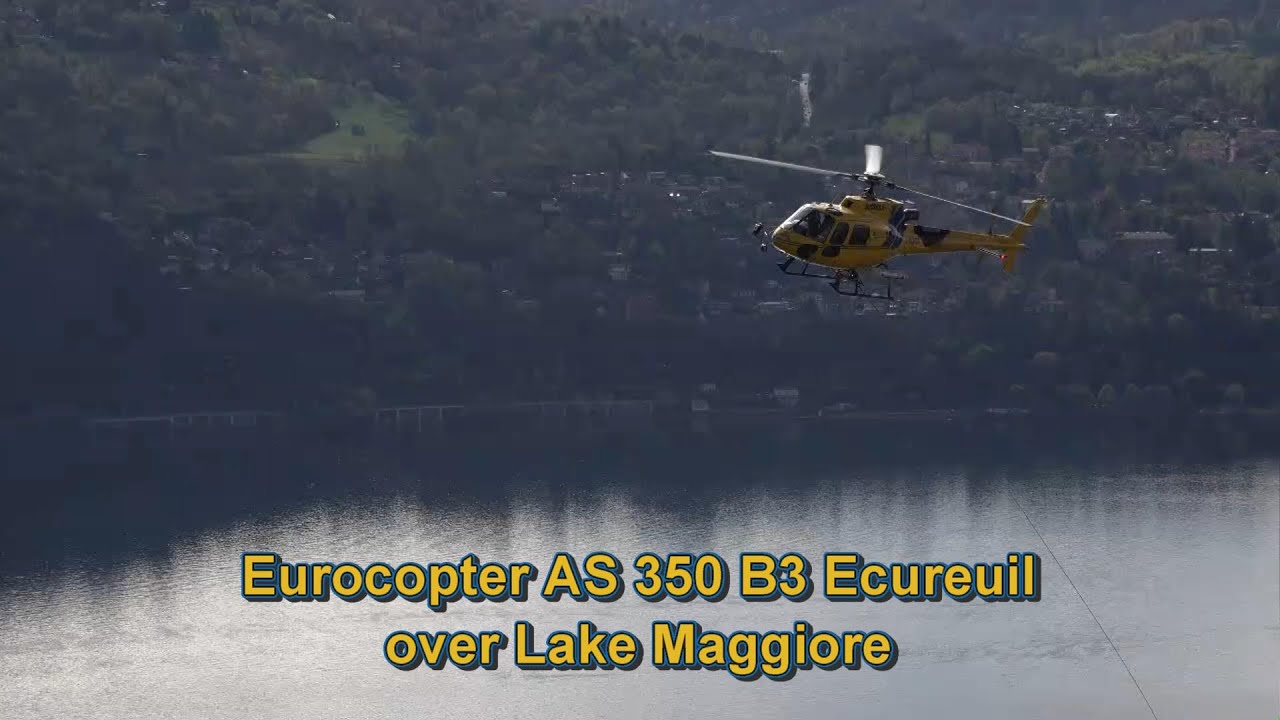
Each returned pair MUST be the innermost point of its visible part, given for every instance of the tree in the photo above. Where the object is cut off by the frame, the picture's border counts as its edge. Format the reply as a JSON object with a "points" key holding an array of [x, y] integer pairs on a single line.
{"points": [[1233, 396], [1158, 398], [818, 78], [1107, 395], [1133, 397], [978, 357], [1194, 387], [201, 32], [1045, 361], [1251, 239], [1075, 396], [1177, 325]]}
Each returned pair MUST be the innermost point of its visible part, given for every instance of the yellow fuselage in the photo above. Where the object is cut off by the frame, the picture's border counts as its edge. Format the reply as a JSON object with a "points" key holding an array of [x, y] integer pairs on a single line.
{"points": [[862, 232]]}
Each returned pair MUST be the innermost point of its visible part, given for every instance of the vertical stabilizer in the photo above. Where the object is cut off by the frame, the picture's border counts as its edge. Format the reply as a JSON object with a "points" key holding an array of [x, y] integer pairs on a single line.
{"points": [[1009, 258]]}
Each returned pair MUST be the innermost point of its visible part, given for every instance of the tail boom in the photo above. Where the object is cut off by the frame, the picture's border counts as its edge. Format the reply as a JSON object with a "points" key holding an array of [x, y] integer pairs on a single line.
{"points": [[1002, 247]]}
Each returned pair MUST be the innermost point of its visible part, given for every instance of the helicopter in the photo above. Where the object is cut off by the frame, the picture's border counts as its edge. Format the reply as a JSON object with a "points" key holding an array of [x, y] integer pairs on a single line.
{"points": [[862, 232]]}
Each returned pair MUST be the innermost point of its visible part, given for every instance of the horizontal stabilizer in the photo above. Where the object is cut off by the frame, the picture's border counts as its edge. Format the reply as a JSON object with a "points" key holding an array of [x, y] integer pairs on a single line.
{"points": [[1007, 256]]}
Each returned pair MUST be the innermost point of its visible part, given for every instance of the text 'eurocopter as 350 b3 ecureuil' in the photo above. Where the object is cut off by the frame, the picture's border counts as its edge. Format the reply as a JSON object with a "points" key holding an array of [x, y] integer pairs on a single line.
{"points": [[860, 232]]}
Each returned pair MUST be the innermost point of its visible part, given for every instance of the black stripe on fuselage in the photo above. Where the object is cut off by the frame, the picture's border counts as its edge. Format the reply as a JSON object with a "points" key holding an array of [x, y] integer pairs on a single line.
{"points": [[930, 236]]}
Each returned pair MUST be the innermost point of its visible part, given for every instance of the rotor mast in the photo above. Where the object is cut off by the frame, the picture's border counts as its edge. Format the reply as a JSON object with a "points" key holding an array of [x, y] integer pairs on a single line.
{"points": [[871, 175]]}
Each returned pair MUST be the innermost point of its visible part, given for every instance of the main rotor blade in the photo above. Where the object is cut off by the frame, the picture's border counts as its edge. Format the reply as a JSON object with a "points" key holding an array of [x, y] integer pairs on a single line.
{"points": [[778, 164], [962, 205], [875, 155]]}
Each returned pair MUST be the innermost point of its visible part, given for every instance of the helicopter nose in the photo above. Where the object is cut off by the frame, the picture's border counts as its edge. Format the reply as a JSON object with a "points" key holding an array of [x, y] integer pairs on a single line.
{"points": [[774, 236]]}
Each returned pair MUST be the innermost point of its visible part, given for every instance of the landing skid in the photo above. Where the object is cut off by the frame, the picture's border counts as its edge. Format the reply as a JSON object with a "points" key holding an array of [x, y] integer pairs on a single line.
{"points": [[838, 280]]}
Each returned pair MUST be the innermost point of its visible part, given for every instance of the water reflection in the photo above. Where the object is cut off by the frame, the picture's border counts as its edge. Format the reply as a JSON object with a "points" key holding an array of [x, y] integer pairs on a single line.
{"points": [[1180, 563]]}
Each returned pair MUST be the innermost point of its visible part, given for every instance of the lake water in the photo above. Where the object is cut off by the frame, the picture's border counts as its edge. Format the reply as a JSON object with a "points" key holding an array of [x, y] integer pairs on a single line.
{"points": [[121, 599]]}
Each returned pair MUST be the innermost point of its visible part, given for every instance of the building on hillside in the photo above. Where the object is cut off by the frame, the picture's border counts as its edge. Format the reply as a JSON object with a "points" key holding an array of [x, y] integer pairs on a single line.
{"points": [[1205, 146], [1013, 164], [1209, 261], [716, 308], [641, 308], [773, 307], [1091, 248], [787, 396], [1044, 302], [1147, 243], [967, 152], [354, 295], [1262, 312], [619, 272], [1250, 143]]}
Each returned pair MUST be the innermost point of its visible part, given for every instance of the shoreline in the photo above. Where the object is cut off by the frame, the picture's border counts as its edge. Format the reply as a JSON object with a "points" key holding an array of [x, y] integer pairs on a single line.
{"points": [[607, 411], [1001, 431]]}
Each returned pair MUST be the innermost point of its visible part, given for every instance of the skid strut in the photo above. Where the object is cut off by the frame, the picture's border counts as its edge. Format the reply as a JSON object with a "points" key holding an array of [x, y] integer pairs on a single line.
{"points": [[838, 280]]}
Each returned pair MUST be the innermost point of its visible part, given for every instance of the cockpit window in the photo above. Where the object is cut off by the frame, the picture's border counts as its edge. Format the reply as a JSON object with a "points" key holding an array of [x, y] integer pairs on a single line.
{"points": [[813, 224], [797, 216]]}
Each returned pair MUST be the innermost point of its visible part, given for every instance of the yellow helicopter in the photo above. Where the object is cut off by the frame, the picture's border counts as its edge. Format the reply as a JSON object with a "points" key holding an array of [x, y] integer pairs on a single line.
{"points": [[860, 232]]}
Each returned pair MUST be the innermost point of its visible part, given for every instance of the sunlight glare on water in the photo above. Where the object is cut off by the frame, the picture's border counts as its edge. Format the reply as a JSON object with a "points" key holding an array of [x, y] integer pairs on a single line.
{"points": [[1182, 567]]}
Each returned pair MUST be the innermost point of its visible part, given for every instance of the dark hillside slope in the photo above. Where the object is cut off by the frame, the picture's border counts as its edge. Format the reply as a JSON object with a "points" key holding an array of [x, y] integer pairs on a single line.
{"points": [[214, 203], [131, 131], [979, 20]]}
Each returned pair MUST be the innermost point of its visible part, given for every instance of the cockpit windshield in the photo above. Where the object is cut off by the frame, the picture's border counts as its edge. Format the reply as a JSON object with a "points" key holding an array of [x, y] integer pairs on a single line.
{"points": [[797, 215], [809, 222]]}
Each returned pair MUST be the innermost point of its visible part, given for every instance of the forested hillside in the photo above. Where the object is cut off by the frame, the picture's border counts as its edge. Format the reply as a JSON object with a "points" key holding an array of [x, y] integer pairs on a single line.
{"points": [[288, 203], [980, 20], [130, 129]]}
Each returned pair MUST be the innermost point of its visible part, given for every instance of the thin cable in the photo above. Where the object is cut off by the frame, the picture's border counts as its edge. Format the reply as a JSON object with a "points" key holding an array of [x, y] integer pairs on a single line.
{"points": [[1086, 605]]}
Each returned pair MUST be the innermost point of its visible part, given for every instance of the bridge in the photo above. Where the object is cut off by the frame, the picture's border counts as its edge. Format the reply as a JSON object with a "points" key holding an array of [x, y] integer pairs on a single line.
{"points": [[393, 415], [545, 408], [234, 418]]}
